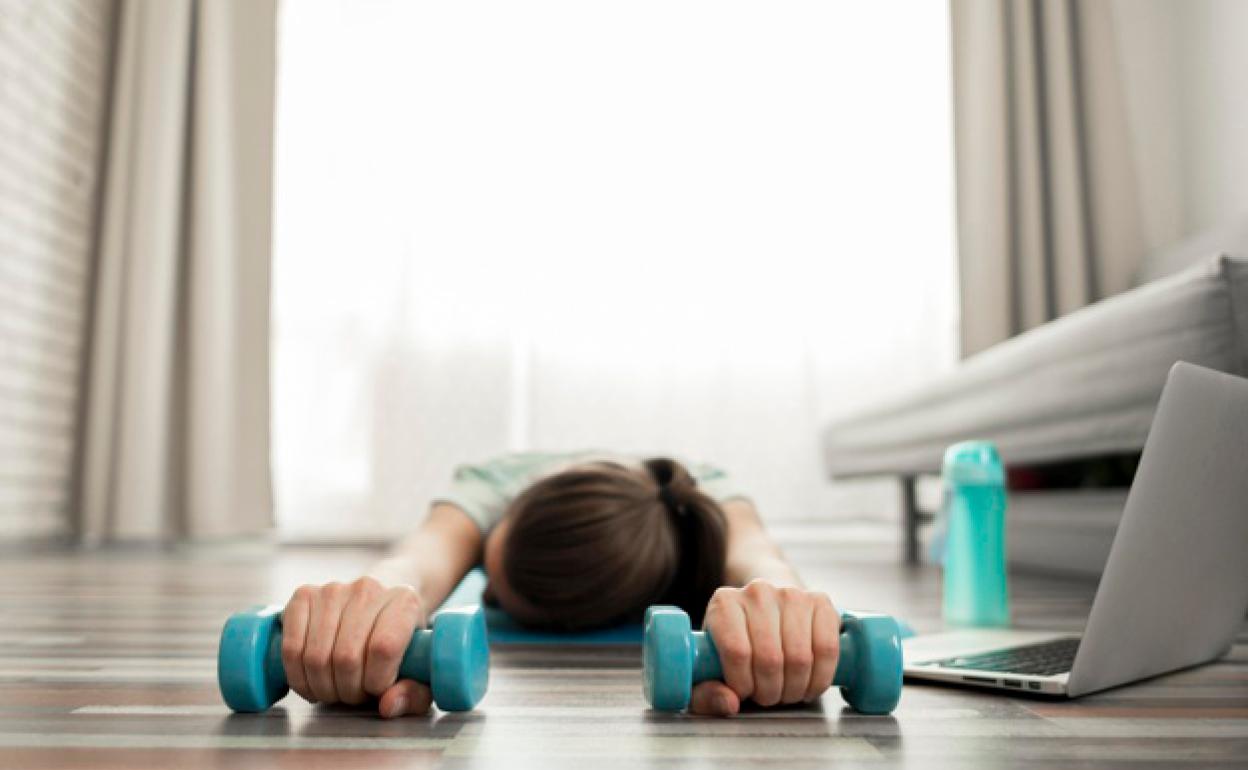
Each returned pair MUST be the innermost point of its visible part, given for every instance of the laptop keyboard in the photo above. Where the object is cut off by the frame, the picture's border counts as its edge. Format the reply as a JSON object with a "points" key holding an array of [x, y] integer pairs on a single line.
{"points": [[1043, 659]]}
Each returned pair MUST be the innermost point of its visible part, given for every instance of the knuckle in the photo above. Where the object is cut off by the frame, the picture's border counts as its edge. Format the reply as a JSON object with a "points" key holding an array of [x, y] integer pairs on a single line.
{"points": [[332, 590], [827, 648], [407, 596], [734, 651], [385, 646], [346, 660], [793, 595], [364, 586], [724, 595], [826, 602], [759, 588], [304, 593], [768, 661], [317, 659]]}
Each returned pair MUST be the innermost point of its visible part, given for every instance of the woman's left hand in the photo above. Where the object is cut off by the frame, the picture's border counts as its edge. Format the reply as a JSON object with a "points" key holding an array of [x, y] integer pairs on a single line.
{"points": [[777, 644]]}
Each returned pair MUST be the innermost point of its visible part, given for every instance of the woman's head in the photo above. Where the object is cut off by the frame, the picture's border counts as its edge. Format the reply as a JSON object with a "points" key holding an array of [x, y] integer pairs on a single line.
{"points": [[600, 542]]}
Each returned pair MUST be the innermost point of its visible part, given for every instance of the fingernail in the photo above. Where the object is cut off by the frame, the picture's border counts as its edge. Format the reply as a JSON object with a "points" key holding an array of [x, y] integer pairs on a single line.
{"points": [[398, 707], [722, 705]]}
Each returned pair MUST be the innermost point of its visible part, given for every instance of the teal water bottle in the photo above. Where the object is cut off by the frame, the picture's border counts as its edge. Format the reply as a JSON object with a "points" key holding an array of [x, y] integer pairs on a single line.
{"points": [[976, 593]]}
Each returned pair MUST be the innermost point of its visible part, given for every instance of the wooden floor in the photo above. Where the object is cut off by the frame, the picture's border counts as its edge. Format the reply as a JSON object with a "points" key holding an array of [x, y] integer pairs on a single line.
{"points": [[107, 661]]}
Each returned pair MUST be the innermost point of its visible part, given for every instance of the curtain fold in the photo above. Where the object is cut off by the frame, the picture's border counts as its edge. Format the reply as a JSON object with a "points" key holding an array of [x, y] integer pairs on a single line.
{"points": [[1048, 206], [176, 414]]}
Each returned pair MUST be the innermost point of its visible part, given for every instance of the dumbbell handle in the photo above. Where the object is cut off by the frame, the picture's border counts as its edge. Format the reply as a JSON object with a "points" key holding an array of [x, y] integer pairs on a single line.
{"points": [[416, 663], [706, 665]]}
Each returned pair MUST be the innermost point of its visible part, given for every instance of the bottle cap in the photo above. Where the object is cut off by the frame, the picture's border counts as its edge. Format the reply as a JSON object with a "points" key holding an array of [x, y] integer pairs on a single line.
{"points": [[973, 462]]}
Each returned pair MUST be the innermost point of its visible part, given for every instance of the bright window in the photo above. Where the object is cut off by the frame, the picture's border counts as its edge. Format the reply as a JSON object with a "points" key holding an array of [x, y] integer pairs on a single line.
{"points": [[698, 227]]}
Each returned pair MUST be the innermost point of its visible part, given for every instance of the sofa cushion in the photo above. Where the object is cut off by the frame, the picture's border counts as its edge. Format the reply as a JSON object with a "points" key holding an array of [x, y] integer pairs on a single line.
{"points": [[1082, 385]]}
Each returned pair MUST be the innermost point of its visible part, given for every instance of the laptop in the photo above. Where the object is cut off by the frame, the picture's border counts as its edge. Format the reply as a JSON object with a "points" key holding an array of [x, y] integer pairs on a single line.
{"points": [[1175, 588]]}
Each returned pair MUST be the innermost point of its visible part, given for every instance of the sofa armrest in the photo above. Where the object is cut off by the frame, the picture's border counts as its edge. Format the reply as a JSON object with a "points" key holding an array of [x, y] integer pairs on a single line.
{"points": [[1082, 385]]}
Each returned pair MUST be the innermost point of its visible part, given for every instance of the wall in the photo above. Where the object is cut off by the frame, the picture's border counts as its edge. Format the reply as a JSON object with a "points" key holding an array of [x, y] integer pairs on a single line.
{"points": [[1184, 65], [53, 63]]}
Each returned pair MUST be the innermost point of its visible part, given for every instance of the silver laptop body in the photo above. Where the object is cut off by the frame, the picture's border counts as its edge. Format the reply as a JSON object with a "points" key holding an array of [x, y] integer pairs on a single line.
{"points": [[1175, 587]]}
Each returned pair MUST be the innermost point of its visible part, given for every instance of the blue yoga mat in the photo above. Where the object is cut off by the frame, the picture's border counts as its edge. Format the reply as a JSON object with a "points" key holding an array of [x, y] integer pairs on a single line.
{"points": [[504, 630]]}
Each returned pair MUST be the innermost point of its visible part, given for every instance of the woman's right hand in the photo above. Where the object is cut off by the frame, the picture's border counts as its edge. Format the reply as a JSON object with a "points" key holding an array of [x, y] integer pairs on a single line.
{"points": [[343, 642]]}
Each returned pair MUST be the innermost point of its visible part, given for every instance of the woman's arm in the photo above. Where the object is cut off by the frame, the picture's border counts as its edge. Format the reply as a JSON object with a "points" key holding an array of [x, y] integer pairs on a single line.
{"points": [[435, 557], [752, 554]]}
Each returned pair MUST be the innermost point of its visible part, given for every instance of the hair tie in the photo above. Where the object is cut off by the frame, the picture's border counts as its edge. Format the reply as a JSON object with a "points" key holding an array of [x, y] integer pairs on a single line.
{"points": [[669, 500]]}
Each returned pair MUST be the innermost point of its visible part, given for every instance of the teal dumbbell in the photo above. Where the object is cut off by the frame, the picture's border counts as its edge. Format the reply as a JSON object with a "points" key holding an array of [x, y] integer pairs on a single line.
{"points": [[453, 658], [675, 658]]}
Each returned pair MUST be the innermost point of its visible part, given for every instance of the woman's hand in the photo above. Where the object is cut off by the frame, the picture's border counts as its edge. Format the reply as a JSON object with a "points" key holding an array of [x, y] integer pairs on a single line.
{"points": [[343, 642], [776, 645]]}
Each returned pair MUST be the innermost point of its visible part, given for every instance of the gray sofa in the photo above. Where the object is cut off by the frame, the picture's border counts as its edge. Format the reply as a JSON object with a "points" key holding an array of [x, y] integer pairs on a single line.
{"points": [[1084, 385]]}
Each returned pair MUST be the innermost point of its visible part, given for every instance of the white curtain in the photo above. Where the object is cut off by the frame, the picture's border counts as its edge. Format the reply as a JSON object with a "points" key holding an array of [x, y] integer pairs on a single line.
{"points": [[690, 227], [1050, 215], [174, 434]]}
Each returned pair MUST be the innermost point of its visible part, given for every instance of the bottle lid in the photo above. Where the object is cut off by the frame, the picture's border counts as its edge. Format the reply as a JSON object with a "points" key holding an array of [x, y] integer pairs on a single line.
{"points": [[973, 462]]}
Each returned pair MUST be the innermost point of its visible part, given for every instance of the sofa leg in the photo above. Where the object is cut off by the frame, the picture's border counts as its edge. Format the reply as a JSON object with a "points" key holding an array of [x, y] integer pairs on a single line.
{"points": [[911, 517]]}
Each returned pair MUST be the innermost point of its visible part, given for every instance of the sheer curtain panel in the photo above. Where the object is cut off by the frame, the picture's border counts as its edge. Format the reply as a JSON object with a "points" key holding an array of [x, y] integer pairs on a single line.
{"points": [[690, 227]]}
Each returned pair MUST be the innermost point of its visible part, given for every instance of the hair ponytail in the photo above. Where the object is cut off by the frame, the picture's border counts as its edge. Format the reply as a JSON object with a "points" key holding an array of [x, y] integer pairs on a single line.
{"points": [[701, 534]]}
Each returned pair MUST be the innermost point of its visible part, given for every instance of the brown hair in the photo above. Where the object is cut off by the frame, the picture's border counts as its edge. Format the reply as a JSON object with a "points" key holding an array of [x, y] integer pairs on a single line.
{"points": [[598, 543]]}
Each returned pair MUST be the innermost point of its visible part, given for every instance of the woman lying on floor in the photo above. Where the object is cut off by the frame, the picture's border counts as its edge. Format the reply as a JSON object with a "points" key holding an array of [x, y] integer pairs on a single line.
{"points": [[573, 542]]}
